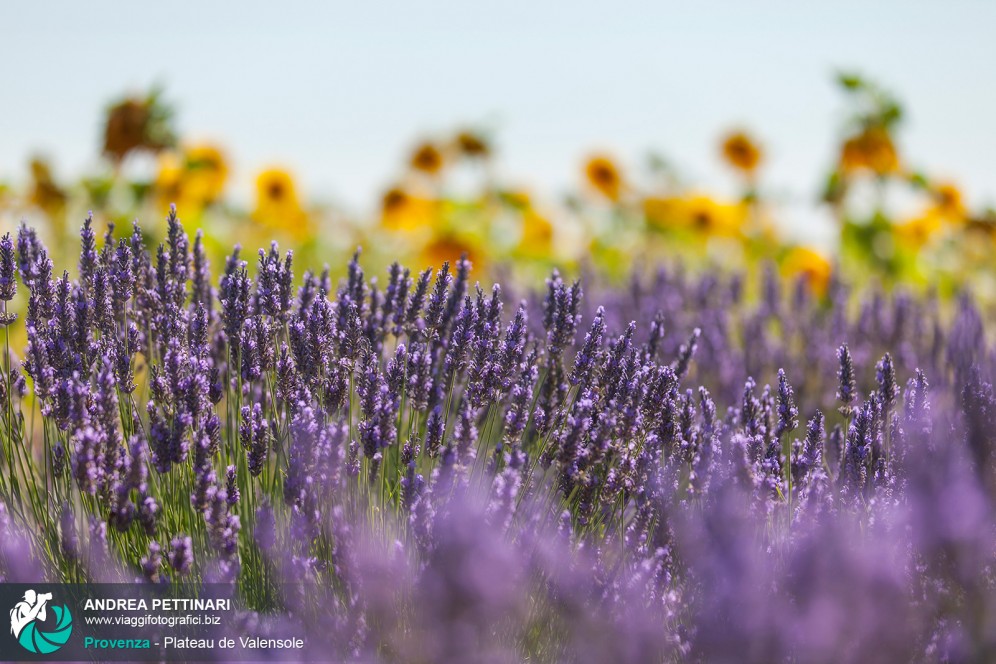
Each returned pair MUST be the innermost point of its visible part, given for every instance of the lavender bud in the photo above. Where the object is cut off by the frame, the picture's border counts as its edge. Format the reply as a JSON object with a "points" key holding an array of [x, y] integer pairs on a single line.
{"points": [[788, 414], [885, 375], [846, 389], [152, 563], [8, 269], [181, 555]]}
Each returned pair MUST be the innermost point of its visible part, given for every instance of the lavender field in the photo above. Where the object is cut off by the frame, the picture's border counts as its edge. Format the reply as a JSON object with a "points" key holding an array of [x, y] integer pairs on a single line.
{"points": [[417, 467]]}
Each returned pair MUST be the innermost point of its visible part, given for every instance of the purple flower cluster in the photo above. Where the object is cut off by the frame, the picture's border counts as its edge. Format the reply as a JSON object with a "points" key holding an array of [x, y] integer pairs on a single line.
{"points": [[699, 476]]}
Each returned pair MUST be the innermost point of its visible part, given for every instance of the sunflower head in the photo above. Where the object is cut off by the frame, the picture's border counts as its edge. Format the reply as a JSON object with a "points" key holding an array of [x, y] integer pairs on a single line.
{"points": [[949, 200], [427, 158], [707, 216], [134, 124], [169, 183], [872, 150], [537, 234], [472, 145], [401, 210], [448, 247], [663, 211], [741, 152], [394, 200], [275, 187], [205, 171], [811, 266], [45, 192], [604, 176], [917, 231], [277, 203]]}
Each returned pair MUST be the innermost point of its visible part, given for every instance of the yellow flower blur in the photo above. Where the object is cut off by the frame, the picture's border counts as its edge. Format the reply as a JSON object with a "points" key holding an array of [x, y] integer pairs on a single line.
{"points": [[603, 175], [663, 211], [427, 158], [741, 152], [403, 211], [708, 216], [205, 172], [537, 231], [449, 247], [45, 192], [871, 150], [472, 145], [277, 204], [698, 213], [914, 233], [168, 185], [811, 266], [192, 179], [537, 234], [949, 201]]}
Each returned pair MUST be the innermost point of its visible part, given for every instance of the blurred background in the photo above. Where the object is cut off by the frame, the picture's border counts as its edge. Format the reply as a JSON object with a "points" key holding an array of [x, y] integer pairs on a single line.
{"points": [[850, 135]]}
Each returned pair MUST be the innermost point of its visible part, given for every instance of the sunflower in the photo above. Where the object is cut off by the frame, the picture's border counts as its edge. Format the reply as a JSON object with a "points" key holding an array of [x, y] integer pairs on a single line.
{"points": [[277, 204], [704, 214], [663, 211], [45, 192], [914, 233], [741, 152], [810, 265], [205, 172], [427, 158], [517, 199], [603, 175], [472, 145], [949, 201], [400, 210], [169, 183], [449, 247], [871, 150], [138, 124], [537, 234]]}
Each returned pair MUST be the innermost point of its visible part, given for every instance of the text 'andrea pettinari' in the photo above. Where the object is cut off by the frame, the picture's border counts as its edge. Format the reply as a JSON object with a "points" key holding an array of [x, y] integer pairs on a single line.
{"points": [[157, 604]]}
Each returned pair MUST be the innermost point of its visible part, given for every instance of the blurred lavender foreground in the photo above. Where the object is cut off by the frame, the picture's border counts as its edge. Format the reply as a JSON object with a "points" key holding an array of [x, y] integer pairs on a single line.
{"points": [[416, 469]]}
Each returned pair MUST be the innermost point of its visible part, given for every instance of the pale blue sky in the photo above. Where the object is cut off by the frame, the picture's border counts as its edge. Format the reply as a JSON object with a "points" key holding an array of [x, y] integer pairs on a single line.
{"points": [[339, 91]]}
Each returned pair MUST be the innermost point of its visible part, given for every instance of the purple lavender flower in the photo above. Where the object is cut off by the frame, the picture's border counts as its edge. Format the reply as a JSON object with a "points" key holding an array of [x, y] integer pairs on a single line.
{"points": [[234, 296], [181, 555], [394, 307], [88, 251], [846, 389], [587, 357], [434, 431], [417, 301], [69, 541], [254, 435], [788, 414], [8, 269], [807, 464], [232, 487], [885, 375], [456, 294], [560, 313], [461, 339], [148, 514], [437, 301], [516, 417], [274, 284], [686, 353], [201, 293], [420, 375], [30, 252], [152, 563]]}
